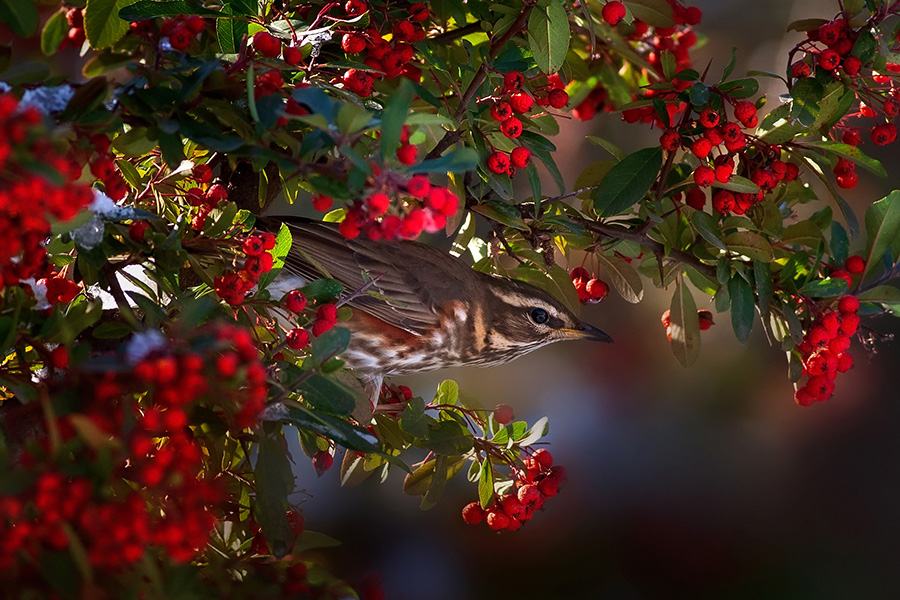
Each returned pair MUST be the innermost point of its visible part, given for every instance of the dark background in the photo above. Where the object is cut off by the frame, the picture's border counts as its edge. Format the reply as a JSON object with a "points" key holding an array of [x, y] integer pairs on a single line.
{"points": [[706, 482]]}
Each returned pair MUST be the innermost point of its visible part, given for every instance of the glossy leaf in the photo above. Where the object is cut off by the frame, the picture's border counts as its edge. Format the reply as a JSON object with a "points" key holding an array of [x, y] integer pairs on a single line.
{"points": [[627, 182], [684, 325], [20, 15], [102, 24], [274, 482], [623, 276], [882, 229], [548, 36], [742, 306], [749, 244]]}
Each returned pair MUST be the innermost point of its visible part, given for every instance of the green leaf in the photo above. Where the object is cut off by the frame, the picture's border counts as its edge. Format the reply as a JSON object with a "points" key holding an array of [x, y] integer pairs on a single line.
{"points": [[851, 153], [486, 484], [418, 482], [335, 428], [708, 228], [330, 344], [102, 24], [628, 181], [438, 483], [328, 394], [540, 428], [740, 88], [548, 36], [881, 294], [447, 392], [459, 160], [448, 437], [230, 32], [738, 184], [624, 277], [394, 116], [882, 229], [274, 483], [352, 118], [741, 307], [283, 243], [699, 94], [54, 32], [413, 420], [829, 287], [762, 276], [803, 232], [749, 244], [839, 244], [322, 290], [21, 16], [684, 325], [656, 13]]}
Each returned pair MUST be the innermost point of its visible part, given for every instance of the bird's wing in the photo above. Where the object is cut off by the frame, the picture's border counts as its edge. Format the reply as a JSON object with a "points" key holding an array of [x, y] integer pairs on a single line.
{"points": [[408, 287]]}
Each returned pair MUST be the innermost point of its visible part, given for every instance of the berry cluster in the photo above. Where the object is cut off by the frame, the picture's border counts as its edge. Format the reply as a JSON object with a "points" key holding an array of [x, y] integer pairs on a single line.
{"points": [[179, 31], [590, 289], [536, 482], [29, 196], [324, 319], [396, 209], [233, 286], [833, 50], [511, 99], [824, 350], [704, 317], [103, 167], [649, 42], [75, 37], [133, 427]]}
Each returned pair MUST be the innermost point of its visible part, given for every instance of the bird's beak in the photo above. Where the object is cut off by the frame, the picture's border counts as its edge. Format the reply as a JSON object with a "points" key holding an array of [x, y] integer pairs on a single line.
{"points": [[588, 332]]}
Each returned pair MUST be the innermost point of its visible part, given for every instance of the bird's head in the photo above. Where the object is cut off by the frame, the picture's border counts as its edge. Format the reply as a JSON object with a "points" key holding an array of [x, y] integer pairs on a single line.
{"points": [[524, 318]]}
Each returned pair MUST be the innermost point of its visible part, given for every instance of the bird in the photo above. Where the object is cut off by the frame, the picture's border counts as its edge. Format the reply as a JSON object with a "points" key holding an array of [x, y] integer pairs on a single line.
{"points": [[423, 309]]}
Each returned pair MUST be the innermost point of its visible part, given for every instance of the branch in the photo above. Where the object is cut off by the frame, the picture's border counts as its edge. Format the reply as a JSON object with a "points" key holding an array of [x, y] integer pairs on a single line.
{"points": [[621, 233], [452, 136]]}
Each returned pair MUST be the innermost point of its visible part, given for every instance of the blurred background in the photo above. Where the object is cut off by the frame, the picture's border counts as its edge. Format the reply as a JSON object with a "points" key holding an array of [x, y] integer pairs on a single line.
{"points": [[706, 482]]}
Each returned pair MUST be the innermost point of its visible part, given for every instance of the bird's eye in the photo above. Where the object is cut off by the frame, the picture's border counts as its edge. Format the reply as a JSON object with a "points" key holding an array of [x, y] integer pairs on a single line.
{"points": [[540, 316]]}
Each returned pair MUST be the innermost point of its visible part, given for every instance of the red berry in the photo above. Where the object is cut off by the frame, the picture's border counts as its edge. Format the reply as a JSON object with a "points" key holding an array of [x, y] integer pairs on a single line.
{"points": [[529, 495], [520, 157], [828, 59], [180, 38], [543, 457], [511, 127], [202, 173], [513, 81], [670, 140], [704, 176], [548, 487], [613, 12], [472, 513], [521, 102], [59, 357], [803, 397], [292, 55], [501, 111], [267, 44], [195, 24], [799, 70], [295, 301], [498, 162], [709, 118], [355, 7], [848, 304], [849, 323], [407, 154], [321, 202], [496, 519], [855, 264], [297, 339], [597, 289], [558, 98], [884, 134], [701, 147], [353, 43], [137, 230], [322, 461], [852, 65], [503, 413], [695, 198], [745, 112], [706, 319], [844, 362], [512, 507], [842, 274]]}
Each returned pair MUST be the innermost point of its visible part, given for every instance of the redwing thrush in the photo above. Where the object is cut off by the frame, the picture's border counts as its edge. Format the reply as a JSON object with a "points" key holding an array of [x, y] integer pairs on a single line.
{"points": [[424, 309]]}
